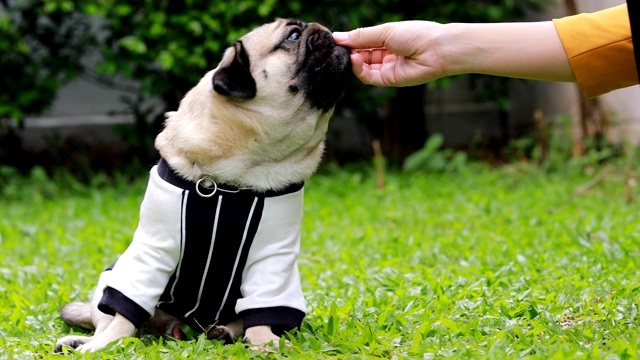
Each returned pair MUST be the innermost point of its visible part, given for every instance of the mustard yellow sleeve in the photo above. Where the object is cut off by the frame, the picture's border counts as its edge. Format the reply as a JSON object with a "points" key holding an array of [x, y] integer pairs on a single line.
{"points": [[600, 49]]}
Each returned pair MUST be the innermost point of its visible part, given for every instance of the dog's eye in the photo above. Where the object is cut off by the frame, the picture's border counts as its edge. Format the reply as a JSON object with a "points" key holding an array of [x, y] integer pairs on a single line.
{"points": [[294, 35]]}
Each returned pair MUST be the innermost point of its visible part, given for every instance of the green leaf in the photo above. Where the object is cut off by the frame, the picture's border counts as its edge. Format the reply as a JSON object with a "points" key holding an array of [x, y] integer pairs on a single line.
{"points": [[166, 60], [133, 44], [333, 322]]}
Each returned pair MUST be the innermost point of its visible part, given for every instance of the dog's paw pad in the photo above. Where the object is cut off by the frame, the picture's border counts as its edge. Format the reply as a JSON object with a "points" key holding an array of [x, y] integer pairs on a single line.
{"points": [[60, 348], [221, 333], [72, 342]]}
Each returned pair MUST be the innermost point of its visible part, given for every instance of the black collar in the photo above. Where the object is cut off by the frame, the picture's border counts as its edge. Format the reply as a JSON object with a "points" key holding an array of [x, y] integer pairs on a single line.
{"points": [[169, 175]]}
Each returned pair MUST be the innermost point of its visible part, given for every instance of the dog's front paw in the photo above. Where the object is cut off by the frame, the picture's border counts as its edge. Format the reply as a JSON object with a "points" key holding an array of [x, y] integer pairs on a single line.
{"points": [[81, 344], [71, 341], [260, 335], [221, 333]]}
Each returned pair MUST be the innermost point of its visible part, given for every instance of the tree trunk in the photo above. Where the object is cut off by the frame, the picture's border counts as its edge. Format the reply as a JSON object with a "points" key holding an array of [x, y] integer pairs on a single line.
{"points": [[404, 129], [593, 119]]}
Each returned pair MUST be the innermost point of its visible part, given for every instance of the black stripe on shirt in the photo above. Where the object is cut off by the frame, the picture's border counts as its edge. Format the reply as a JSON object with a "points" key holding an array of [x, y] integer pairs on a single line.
{"points": [[200, 215], [168, 296]]}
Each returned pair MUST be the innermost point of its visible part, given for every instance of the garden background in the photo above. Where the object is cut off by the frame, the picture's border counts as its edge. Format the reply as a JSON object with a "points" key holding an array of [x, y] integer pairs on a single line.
{"points": [[508, 230]]}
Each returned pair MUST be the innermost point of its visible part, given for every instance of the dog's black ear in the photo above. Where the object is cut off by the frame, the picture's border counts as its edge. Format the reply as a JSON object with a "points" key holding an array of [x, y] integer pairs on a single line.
{"points": [[233, 77]]}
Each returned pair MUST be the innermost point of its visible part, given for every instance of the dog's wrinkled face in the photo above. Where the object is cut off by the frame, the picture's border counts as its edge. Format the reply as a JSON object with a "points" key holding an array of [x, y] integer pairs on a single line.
{"points": [[285, 59], [259, 119]]}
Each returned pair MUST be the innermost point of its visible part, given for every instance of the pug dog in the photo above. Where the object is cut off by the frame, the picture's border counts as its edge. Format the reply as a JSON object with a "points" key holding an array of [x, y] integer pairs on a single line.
{"points": [[219, 231]]}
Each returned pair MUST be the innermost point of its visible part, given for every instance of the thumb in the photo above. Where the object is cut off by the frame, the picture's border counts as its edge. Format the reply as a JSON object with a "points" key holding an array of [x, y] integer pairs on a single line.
{"points": [[363, 38]]}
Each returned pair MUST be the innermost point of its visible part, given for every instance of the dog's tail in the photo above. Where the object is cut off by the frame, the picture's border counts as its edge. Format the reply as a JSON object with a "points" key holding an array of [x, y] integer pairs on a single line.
{"points": [[77, 314]]}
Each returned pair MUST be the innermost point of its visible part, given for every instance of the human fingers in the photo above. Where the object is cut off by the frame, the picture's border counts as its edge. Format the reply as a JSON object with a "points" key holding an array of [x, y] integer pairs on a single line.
{"points": [[374, 67], [357, 65], [363, 38], [372, 56], [361, 67]]}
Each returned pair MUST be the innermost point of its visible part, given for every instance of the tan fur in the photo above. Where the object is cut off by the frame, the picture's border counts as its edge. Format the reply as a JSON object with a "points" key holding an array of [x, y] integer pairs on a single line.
{"points": [[274, 140], [77, 314]]}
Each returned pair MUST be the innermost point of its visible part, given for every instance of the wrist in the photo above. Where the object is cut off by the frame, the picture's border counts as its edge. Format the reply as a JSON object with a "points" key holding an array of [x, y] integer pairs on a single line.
{"points": [[457, 53]]}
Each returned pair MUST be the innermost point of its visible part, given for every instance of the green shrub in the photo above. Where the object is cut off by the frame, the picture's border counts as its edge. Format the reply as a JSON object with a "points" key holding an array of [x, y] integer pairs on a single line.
{"points": [[160, 49]]}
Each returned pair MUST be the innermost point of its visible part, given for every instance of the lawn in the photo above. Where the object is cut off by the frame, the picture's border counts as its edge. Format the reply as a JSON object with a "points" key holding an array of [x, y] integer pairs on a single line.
{"points": [[475, 264]]}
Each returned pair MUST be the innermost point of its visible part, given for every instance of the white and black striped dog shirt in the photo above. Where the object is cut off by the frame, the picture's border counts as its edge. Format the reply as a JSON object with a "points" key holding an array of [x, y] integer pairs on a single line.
{"points": [[211, 260]]}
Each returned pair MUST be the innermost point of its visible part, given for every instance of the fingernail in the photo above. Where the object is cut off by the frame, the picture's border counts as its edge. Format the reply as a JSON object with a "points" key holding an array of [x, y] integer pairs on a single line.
{"points": [[339, 36]]}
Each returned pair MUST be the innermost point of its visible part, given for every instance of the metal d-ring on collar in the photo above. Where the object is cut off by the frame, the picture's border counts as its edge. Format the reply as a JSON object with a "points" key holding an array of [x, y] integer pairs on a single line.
{"points": [[208, 181]]}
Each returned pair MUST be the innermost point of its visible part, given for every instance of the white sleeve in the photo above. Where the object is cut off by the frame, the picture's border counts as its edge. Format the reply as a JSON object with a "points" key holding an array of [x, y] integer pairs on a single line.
{"points": [[270, 277], [143, 270]]}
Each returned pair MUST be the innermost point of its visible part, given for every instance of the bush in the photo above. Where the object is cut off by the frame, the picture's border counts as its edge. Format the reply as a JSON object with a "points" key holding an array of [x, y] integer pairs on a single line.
{"points": [[166, 46], [41, 44]]}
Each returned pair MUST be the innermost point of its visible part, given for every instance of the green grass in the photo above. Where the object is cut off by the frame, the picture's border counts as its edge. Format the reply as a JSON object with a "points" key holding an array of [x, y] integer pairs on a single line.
{"points": [[478, 264]]}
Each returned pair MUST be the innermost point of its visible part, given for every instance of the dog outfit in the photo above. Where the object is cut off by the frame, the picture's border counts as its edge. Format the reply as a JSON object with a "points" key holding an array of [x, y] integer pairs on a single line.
{"points": [[211, 260]]}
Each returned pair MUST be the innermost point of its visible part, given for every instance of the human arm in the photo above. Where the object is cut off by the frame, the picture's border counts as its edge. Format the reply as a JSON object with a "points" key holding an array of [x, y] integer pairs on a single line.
{"points": [[415, 52]]}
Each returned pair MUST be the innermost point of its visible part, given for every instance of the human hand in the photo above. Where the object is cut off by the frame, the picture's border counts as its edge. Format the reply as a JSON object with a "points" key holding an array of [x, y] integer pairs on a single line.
{"points": [[395, 54]]}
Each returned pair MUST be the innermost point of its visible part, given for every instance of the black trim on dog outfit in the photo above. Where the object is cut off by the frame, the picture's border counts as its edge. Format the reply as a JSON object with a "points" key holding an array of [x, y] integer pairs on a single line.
{"points": [[281, 319], [115, 301], [170, 176], [206, 283]]}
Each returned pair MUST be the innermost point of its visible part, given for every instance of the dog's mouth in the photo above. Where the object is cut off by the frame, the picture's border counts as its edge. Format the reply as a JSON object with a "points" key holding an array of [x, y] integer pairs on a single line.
{"points": [[322, 51], [338, 59], [324, 69]]}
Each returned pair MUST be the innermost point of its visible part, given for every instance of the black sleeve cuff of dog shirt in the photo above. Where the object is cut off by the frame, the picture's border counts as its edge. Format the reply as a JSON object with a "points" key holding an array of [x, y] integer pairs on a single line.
{"points": [[113, 301], [281, 319]]}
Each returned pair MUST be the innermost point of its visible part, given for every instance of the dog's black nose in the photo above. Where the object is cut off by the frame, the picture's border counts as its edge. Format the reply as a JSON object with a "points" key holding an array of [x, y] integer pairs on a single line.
{"points": [[320, 40]]}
